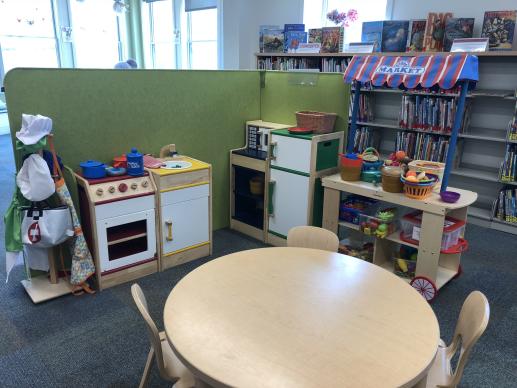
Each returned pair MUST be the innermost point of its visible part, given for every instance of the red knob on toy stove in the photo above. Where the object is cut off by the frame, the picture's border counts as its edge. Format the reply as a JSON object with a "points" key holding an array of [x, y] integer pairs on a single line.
{"points": [[122, 187]]}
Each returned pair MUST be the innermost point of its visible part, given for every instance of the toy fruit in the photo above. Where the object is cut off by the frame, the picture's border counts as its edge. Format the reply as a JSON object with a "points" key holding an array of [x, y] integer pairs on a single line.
{"points": [[411, 178], [400, 155], [421, 176], [410, 173], [402, 265]]}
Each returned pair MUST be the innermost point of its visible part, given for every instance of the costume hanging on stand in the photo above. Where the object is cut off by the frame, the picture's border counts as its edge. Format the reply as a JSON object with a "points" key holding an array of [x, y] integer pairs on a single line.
{"points": [[82, 262]]}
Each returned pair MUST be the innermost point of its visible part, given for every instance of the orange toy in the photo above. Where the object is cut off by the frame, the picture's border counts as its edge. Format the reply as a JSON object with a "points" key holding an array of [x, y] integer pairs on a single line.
{"points": [[400, 155]]}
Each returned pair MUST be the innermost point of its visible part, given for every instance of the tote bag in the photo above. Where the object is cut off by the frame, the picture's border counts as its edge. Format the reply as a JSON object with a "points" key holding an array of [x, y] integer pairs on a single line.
{"points": [[46, 227]]}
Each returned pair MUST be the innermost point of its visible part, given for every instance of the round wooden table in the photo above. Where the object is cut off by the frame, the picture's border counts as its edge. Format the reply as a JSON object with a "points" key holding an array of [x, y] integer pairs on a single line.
{"points": [[295, 317]]}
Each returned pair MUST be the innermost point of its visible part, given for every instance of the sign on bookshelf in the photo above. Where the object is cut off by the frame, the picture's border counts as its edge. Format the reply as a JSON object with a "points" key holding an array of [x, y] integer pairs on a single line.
{"points": [[465, 45]]}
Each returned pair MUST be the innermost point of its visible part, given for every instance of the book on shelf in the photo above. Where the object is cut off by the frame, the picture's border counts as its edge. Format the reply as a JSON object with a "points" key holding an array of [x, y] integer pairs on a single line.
{"points": [[506, 206], [262, 30], [372, 33], [415, 38], [363, 139], [334, 65], [435, 30], [508, 169], [457, 28], [499, 28], [394, 35], [294, 27], [430, 113], [512, 125], [273, 41], [293, 40], [288, 64], [424, 146], [315, 35], [332, 39]]}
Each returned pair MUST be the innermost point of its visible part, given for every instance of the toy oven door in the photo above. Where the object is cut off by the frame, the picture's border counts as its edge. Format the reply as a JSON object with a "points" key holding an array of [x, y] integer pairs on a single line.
{"points": [[126, 240]]}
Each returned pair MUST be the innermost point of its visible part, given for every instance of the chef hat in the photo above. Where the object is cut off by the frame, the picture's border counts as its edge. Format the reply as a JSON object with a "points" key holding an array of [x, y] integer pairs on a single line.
{"points": [[34, 128]]}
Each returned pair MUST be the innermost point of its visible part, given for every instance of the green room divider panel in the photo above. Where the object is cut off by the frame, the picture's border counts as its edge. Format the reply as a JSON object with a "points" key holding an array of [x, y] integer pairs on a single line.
{"points": [[284, 93], [98, 114]]}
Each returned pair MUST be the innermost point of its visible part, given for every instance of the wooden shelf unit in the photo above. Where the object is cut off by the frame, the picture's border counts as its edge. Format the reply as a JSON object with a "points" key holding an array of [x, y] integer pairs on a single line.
{"points": [[431, 262]]}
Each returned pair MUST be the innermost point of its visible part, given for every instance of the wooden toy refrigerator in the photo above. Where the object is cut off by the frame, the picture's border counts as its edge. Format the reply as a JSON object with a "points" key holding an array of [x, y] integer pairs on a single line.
{"points": [[298, 162]]}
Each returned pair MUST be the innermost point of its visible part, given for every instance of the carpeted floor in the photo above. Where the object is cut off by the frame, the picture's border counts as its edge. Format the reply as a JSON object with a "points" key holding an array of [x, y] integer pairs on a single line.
{"points": [[100, 340]]}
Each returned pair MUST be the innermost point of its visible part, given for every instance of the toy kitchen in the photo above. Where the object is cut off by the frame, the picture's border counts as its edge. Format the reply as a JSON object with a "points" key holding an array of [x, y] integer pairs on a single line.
{"points": [[144, 214]]}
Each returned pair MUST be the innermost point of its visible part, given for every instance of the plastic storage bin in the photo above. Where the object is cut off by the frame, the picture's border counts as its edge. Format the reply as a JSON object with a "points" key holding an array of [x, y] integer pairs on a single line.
{"points": [[453, 230], [378, 225], [354, 205]]}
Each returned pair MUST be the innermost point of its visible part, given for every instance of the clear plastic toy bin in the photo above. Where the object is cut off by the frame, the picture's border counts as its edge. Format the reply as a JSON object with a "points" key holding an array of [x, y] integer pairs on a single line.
{"points": [[353, 206], [453, 230]]}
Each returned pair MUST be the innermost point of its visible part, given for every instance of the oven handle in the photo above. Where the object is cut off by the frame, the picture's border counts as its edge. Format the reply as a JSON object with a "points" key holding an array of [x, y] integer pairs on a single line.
{"points": [[169, 230]]}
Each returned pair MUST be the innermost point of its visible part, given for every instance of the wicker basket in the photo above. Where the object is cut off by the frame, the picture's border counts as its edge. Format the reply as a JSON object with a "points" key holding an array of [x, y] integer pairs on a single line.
{"points": [[318, 122]]}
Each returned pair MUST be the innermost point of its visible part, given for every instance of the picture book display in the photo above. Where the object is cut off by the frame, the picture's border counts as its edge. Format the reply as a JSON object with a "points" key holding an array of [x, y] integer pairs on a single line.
{"points": [[372, 33], [394, 35], [293, 40], [457, 28], [499, 28], [415, 39], [262, 30], [273, 41], [294, 27], [332, 39], [435, 30], [315, 35]]}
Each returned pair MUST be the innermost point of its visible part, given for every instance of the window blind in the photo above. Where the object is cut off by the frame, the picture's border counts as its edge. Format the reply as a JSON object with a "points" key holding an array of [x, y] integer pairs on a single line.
{"points": [[198, 5]]}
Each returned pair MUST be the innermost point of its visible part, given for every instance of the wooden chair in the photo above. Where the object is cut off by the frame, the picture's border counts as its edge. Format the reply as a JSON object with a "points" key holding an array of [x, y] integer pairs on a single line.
{"points": [[171, 369], [312, 237], [472, 322]]}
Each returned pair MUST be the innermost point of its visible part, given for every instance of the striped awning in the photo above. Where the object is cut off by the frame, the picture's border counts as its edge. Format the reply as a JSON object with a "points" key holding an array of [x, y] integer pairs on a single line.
{"points": [[423, 70]]}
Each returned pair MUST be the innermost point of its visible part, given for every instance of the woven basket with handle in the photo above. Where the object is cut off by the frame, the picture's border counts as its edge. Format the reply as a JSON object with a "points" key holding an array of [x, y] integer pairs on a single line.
{"points": [[318, 122]]}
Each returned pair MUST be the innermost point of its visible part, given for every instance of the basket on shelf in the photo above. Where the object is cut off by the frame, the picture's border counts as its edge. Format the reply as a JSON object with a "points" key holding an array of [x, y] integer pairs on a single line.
{"points": [[419, 190], [319, 122]]}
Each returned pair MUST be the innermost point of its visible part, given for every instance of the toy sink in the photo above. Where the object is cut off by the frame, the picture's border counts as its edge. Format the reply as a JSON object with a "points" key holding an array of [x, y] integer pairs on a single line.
{"points": [[176, 165]]}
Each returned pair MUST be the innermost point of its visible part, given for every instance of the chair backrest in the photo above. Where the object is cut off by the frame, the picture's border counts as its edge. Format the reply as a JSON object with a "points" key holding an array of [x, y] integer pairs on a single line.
{"points": [[472, 322], [152, 330], [312, 237]]}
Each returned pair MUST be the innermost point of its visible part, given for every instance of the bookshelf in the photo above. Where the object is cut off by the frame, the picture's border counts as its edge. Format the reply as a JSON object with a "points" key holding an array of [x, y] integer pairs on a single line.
{"points": [[481, 145]]}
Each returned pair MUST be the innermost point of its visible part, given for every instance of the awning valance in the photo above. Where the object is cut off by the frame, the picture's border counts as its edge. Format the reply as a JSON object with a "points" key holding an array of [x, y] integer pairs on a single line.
{"points": [[424, 70]]}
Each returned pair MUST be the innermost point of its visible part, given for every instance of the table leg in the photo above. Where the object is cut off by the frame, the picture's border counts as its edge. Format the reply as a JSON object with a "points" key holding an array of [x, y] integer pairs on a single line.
{"points": [[331, 209], [430, 245]]}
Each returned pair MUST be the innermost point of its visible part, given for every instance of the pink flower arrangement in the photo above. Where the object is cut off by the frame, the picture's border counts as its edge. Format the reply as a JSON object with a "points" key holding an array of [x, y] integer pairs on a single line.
{"points": [[343, 18]]}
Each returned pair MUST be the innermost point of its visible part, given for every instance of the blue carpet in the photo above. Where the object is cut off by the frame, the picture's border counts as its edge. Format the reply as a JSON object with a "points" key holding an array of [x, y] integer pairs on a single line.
{"points": [[100, 340]]}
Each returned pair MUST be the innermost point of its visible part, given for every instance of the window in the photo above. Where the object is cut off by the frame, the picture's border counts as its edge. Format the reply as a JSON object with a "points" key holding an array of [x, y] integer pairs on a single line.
{"points": [[160, 35], [176, 38], [96, 31], [27, 35], [315, 14], [202, 39]]}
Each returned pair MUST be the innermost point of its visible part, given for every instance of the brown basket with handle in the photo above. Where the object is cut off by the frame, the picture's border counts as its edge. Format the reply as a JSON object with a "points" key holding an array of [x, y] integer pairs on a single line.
{"points": [[318, 122]]}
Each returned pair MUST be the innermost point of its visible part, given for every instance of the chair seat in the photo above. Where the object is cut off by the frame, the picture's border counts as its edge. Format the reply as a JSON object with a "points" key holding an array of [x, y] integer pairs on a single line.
{"points": [[174, 366], [440, 372]]}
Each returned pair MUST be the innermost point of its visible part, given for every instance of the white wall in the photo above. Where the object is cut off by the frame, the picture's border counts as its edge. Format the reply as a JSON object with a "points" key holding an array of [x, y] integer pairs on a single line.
{"points": [[412, 9], [241, 21]]}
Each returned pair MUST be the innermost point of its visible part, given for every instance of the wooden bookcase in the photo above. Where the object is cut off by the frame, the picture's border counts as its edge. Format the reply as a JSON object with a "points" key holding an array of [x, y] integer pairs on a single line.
{"points": [[483, 142]]}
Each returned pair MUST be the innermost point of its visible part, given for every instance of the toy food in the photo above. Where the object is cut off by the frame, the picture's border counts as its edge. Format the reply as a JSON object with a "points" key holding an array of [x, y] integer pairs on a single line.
{"points": [[402, 265], [400, 155], [411, 178], [411, 173], [421, 176]]}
